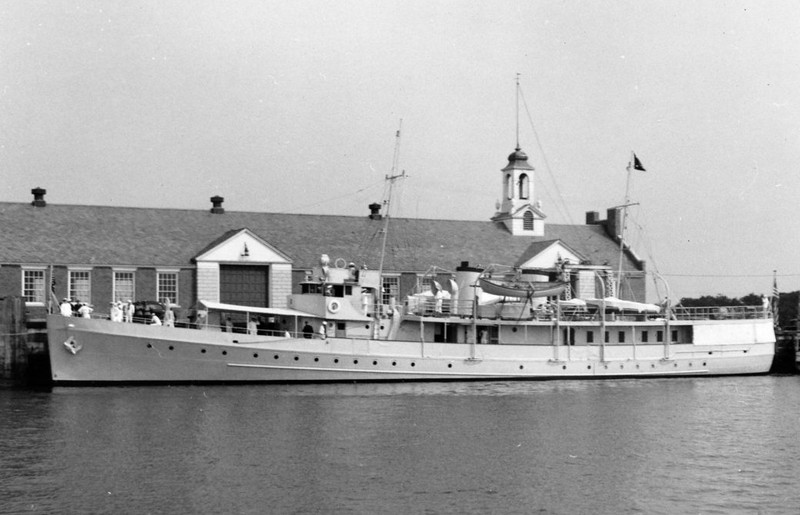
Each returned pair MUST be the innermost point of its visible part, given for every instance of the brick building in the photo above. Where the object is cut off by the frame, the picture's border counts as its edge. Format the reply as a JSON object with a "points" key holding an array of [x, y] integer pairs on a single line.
{"points": [[101, 253]]}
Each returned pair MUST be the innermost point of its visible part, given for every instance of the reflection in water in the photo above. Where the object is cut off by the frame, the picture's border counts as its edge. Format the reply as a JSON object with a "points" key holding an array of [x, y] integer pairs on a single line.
{"points": [[710, 445]]}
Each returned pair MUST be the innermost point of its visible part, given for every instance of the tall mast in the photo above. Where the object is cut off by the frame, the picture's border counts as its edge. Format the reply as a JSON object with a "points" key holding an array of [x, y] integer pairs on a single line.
{"points": [[391, 179], [622, 227]]}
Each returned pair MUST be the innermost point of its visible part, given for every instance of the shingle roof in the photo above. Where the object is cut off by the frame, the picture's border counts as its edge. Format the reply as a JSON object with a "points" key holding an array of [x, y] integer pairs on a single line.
{"points": [[99, 235]]}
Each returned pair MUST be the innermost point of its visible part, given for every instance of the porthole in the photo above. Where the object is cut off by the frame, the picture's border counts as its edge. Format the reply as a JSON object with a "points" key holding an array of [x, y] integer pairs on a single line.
{"points": [[202, 351], [255, 354], [704, 363], [355, 362], [745, 352], [676, 365], [690, 364], [622, 366], [275, 356], [394, 363], [336, 360], [449, 365], [563, 367], [521, 367], [710, 353], [652, 365], [171, 347], [224, 353], [149, 345], [637, 365], [589, 367], [315, 359], [413, 364], [374, 362], [296, 358], [605, 366], [513, 329]]}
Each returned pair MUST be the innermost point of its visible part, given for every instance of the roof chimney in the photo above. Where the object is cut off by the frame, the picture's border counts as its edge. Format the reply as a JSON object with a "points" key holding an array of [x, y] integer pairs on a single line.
{"points": [[592, 218], [216, 205], [38, 197], [375, 211]]}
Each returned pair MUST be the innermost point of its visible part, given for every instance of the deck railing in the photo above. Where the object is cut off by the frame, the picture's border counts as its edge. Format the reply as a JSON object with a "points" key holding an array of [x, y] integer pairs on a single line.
{"points": [[721, 313]]}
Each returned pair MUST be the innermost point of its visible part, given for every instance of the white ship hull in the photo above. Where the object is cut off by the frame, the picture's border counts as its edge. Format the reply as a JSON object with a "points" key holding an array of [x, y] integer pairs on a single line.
{"points": [[101, 351]]}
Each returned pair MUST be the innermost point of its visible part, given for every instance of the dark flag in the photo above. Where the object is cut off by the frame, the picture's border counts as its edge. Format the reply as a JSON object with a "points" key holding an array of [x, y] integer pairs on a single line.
{"points": [[637, 165]]}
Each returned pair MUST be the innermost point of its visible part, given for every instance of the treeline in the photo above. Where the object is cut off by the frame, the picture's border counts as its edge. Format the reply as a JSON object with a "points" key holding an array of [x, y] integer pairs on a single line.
{"points": [[787, 305]]}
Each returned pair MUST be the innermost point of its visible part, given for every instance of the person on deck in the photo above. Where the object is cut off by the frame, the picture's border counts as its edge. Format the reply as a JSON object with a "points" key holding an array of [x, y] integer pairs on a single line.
{"points": [[66, 308], [128, 311], [308, 331], [85, 311], [115, 313], [169, 318]]}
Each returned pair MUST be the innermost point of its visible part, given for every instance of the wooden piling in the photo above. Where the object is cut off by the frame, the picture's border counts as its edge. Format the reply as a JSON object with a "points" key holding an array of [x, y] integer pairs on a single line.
{"points": [[23, 350]]}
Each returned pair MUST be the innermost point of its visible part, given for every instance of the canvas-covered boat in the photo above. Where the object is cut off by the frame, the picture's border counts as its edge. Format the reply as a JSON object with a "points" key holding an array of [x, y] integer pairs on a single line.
{"points": [[522, 289]]}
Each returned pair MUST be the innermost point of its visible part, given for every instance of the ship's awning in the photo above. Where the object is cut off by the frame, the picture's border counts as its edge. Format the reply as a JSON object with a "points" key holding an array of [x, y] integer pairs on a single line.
{"points": [[219, 306]]}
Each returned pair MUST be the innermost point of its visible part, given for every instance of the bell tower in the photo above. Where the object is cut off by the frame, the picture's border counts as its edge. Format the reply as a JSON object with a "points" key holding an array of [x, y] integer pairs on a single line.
{"points": [[516, 210]]}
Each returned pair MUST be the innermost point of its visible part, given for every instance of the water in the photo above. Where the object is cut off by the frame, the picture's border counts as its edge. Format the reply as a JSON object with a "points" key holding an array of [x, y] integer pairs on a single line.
{"points": [[694, 445]]}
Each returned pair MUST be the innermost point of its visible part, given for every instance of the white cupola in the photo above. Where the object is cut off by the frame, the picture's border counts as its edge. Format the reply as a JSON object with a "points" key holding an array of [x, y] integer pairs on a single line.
{"points": [[516, 211]]}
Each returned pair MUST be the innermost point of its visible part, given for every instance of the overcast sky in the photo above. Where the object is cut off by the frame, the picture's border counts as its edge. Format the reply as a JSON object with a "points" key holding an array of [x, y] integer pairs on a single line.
{"points": [[293, 107]]}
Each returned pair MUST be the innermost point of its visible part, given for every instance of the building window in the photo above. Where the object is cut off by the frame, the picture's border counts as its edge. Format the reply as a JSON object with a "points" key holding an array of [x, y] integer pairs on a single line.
{"points": [[606, 338], [33, 287], [644, 336], [527, 221], [524, 186], [168, 287], [674, 336], [621, 337], [509, 186], [123, 286], [80, 287], [391, 290], [589, 336], [659, 336], [424, 283]]}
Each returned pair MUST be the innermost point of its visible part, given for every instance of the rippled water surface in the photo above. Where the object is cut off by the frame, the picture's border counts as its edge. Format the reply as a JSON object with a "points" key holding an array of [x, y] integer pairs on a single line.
{"points": [[694, 445]]}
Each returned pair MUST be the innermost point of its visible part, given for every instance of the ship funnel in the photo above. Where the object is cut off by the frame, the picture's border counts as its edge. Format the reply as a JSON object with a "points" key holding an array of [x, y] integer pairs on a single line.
{"points": [[466, 278]]}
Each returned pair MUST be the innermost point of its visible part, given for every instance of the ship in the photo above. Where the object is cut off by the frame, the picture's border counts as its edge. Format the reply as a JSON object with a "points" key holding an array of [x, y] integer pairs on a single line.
{"points": [[335, 331]]}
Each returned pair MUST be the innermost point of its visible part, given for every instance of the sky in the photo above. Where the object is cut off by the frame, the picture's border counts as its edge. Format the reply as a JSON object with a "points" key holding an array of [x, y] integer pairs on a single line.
{"points": [[294, 107]]}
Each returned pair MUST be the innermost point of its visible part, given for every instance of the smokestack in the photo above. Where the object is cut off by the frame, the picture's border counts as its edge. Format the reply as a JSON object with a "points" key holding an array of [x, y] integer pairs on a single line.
{"points": [[38, 197], [216, 205]]}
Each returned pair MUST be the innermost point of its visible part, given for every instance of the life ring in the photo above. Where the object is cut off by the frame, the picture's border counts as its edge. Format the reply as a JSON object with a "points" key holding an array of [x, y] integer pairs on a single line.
{"points": [[334, 306], [340, 263]]}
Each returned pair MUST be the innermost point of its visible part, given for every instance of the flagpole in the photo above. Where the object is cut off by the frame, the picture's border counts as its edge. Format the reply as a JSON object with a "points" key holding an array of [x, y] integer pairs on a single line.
{"points": [[776, 296], [622, 227]]}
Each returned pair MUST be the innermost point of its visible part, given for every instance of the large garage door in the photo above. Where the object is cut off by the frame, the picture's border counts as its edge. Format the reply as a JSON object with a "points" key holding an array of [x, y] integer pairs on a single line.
{"points": [[244, 285]]}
